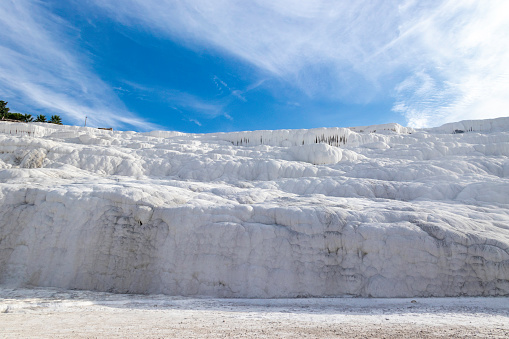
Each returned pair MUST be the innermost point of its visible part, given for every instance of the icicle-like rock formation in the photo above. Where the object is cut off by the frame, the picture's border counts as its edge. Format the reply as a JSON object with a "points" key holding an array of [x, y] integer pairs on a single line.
{"points": [[380, 211]]}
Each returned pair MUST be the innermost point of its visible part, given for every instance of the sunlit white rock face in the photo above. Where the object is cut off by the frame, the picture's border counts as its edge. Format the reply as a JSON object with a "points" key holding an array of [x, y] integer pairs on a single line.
{"points": [[379, 211]]}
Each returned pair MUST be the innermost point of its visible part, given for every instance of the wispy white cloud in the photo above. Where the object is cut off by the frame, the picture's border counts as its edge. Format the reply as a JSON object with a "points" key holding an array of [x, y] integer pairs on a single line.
{"points": [[460, 63], [195, 121], [441, 59], [208, 108], [41, 66], [237, 93], [307, 43], [180, 101], [187, 103], [220, 85]]}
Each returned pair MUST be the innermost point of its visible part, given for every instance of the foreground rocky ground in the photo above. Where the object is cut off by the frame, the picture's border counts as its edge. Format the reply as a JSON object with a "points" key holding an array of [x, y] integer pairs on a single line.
{"points": [[81, 314]]}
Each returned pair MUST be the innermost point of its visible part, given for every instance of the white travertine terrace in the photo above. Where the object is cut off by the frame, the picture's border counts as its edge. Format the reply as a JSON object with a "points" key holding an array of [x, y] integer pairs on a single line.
{"points": [[383, 211]]}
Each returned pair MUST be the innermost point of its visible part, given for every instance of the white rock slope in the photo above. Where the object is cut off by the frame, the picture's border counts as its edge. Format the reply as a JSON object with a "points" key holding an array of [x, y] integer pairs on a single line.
{"points": [[381, 211]]}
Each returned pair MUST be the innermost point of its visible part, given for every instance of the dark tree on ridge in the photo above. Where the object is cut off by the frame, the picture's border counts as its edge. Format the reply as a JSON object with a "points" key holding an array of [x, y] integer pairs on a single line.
{"points": [[40, 118], [4, 110], [28, 118], [55, 119]]}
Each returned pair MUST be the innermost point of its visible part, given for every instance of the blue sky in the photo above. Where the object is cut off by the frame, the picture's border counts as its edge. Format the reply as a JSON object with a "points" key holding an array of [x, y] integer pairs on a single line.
{"points": [[227, 65]]}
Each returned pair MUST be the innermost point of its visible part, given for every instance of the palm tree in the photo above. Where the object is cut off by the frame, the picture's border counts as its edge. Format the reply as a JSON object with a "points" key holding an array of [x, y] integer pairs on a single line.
{"points": [[55, 119], [40, 118], [28, 118]]}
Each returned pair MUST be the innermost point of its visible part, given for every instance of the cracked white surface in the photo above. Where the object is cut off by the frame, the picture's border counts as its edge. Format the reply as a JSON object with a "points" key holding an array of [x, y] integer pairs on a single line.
{"points": [[382, 211]]}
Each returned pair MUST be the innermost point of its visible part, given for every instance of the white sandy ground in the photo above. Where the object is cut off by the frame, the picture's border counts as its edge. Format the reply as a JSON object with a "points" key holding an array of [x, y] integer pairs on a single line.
{"points": [[70, 313]]}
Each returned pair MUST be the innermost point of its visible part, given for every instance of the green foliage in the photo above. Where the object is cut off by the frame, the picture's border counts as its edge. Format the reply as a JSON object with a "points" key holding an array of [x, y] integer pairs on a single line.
{"points": [[55, 119], [15, 116], [5, 114], [18, 116], [40, 118], [4, 110], [28, 118]]}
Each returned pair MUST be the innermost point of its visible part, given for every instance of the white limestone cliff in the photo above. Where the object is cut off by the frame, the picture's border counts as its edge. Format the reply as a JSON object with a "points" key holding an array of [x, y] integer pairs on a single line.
{"points": [[381, 211]]}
